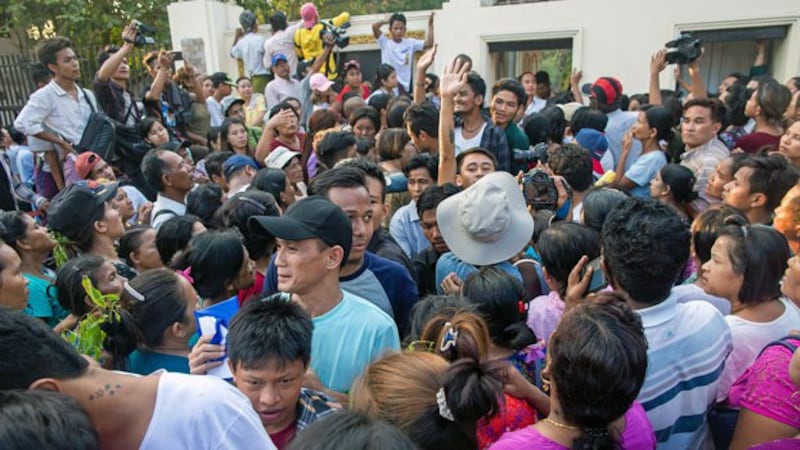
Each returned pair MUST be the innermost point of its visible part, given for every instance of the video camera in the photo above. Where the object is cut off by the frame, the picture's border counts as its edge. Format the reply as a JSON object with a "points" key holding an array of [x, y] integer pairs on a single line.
{"points": [[339, 33], [684, 50], [144, 34]]}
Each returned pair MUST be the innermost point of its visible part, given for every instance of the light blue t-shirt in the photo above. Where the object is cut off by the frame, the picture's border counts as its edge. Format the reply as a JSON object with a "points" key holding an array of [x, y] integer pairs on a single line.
{"points": [[41, 303], [450, 263], [348, 338], [644, 170], [406, 229]]}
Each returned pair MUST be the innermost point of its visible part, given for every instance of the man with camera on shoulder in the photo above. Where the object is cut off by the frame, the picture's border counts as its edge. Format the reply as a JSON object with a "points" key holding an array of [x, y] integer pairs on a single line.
{"points": [[308, 38]]}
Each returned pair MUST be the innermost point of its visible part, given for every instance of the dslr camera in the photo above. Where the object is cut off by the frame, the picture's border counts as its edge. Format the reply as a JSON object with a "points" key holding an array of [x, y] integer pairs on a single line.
{"points": [[540, 190], [340, 36], [144, 34], [531, 155], [684, 50]]}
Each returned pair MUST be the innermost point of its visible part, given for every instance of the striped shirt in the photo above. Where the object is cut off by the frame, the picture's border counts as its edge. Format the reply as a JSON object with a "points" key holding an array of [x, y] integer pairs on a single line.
{"points": [[687, 347], [702, 161]]}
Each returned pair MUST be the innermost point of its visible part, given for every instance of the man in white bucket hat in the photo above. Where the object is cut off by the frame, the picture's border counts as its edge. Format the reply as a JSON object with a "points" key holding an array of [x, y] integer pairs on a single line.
{"points": [[484, 225]]}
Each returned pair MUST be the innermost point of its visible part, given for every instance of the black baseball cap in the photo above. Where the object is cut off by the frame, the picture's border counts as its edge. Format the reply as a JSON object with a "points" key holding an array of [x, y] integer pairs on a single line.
{"points": [[309, 218], [73, 209], [218, 78]]}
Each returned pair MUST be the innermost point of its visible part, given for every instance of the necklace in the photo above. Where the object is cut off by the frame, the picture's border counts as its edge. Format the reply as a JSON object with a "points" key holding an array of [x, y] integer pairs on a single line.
{"points": [[472, 130], [561, 425]]}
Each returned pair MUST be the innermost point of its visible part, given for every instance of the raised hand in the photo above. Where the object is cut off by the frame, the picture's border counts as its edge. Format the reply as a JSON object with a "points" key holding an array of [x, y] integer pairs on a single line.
{"points": [[129, 33], [576, 77], [426, 59], [658, 62], [454, 78]]}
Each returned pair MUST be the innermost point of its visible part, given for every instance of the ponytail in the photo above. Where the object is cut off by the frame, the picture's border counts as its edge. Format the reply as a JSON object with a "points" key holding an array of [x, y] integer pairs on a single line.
{"points": [[122, 338]]}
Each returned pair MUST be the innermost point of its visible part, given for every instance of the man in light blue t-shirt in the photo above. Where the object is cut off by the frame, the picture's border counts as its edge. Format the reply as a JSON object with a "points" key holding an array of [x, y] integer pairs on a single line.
{"points": [[314, 238]]}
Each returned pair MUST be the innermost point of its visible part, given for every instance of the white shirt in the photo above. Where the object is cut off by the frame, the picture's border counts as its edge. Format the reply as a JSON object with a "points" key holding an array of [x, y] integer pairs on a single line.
{"points": [[466, 144], [201, 412], [400, 55], [536, 105], [215, 111], [282, 42], [281, 88], [749, 338], [171, 208], [52, 109], [250, 49]]}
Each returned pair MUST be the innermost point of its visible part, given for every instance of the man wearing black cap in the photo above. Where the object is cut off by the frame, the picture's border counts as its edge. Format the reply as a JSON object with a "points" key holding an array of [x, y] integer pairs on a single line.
{"points": [[606, 94], [314, 239], [249, 47], [222, 88]]}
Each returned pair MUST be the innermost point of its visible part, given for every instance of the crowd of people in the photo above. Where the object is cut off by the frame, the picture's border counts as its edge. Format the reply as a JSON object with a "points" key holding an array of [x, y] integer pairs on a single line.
{"points": [[303, 259]]}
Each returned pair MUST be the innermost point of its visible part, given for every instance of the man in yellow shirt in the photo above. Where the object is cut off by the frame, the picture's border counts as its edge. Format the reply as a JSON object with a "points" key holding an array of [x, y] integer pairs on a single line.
{"points": [[307, 40]]}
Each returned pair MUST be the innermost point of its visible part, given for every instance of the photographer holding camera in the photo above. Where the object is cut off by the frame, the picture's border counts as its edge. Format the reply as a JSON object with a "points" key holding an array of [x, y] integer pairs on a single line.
{"points": [[111, 80], [308, 39]]}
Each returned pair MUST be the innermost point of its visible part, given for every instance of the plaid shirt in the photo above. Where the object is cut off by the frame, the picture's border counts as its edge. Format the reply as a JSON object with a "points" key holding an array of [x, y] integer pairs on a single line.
{"points": [[494, 139], [312, 406]]}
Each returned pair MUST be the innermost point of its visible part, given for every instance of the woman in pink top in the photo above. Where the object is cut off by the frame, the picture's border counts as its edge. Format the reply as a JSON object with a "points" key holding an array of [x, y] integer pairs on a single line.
{"points": [[561, 247], [596, 363]]}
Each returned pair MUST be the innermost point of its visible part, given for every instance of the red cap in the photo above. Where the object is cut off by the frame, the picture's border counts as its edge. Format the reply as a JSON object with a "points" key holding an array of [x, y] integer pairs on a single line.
{"points": [[85, 162]]}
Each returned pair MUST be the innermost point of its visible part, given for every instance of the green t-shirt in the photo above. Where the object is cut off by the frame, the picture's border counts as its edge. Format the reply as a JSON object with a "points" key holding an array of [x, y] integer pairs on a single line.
{"points": [[41, 303]]}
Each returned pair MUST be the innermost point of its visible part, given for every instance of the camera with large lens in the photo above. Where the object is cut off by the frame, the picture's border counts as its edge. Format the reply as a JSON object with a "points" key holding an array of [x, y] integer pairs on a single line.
{"points": [[540, 190], [144, 34], [684, 50], [340, 36], [532, 155]]}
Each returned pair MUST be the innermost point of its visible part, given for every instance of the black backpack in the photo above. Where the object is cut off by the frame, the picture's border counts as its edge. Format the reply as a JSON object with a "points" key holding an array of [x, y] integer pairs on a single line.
{"points": [[100, 134]]}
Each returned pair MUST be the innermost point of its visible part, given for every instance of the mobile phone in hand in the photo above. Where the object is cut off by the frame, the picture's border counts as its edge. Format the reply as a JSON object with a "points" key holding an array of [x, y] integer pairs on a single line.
{"points": [[598, 280]]}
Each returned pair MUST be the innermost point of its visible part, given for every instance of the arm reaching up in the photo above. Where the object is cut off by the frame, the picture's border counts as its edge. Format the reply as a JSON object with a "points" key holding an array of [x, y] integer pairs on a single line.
{"points": [[453, 79], [423, 64], [658, 62]]}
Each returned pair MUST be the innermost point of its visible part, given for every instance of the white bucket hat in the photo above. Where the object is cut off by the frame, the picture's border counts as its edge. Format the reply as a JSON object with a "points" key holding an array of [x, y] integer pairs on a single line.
{"points": [[279, 157], [488, 222]]}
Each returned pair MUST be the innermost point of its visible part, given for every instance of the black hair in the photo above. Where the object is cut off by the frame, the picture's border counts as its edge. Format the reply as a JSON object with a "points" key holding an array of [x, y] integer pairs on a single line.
{"points": [[586, 117], [278, 22], [272, 181], [645, 247], [660, 118], [396, 109], [597, 203], [47, 49], [428, 307], [12, 229], [714, 105], [433, 195], [40, 74], [271, 329], [144, 126], [69, 278], [347, 429], [558, 123], [223, 134], [542, 77], [334, 147], [204, 201], [212, 136], [759, 253], [216, 258], [773, 98], [238, 210], [370, 170], [735, 103], [562, 245], [740, 77], [643, 99], [423, 117], [680, 180], [423, 160], [476, 84], [367, 112], [573, 163], [44, 420], [143, 321], [364, 145], [32, 351], [513, 86], [624, 101], [105, 53], [339, 177], [397, 17], [391, 143], [598, 362], [378, 102], [536, 128], [154, 168], [383, 73], [707, 226], [215, 162], [773, 176], [174, 235], [497, 295], [131, 241]]}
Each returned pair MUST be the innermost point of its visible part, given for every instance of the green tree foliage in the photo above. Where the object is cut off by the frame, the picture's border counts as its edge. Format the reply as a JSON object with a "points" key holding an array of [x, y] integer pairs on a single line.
{"points": [[331, 8]]}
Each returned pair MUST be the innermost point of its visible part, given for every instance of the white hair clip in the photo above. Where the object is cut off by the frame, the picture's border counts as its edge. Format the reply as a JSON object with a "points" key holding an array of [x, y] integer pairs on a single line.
{"points": [[449, 338], [444, 410], [133, 292]]}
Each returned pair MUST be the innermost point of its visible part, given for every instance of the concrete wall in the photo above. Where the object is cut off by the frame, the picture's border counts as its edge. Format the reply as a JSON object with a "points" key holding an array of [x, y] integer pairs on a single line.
{"points": [[611, 37]]}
